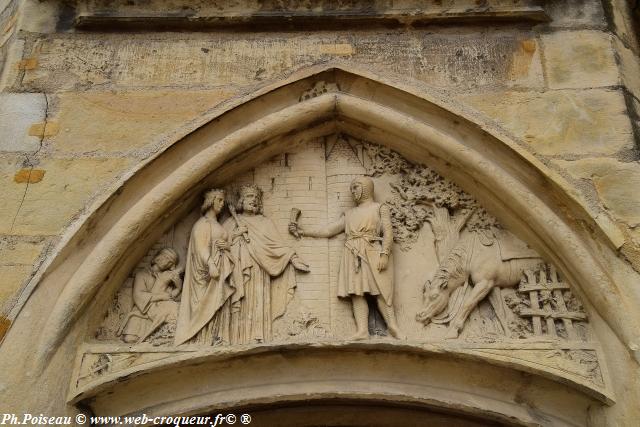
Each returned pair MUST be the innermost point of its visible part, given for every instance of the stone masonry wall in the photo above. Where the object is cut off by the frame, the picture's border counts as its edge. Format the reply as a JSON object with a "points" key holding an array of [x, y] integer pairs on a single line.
{"points": [[79, 109]]}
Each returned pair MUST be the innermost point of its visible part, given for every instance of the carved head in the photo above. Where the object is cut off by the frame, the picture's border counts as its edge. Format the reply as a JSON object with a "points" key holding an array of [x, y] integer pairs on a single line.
{"points": [[436, 298], [166, 259], [250, 200], [213, 199], [362, 189], [450, 275]]}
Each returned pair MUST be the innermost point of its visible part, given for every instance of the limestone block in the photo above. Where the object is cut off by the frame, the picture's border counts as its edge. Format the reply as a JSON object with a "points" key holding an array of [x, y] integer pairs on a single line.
{"points": [[575, 13], [39, 16], [623, 26], [19, 252], [17, 258], [126, 121], [18, 112], [12, 192], [48, 206], [629, 64], [11, 278], [136, 61], [561, 122], [616, 184], [579, 59]]}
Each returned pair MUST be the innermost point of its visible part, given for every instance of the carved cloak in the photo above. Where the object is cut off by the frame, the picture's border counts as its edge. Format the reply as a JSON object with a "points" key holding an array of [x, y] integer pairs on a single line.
{"points": [[264, 277], [203, 297]]}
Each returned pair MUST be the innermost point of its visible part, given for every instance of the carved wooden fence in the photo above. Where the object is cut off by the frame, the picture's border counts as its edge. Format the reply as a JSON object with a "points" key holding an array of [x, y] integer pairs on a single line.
{"points": [[545, 290]]}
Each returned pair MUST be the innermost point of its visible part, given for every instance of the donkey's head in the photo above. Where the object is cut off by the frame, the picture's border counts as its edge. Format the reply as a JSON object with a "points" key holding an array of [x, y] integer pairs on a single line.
{"points": [[450, 275], [436, 294]]}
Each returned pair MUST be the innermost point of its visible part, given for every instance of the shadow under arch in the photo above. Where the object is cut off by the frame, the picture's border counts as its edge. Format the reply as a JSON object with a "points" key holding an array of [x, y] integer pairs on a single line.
{"points": [[511, 183]]}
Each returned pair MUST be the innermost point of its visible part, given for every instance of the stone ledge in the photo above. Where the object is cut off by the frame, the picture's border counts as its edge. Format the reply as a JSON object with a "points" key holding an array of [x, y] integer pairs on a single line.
{"points": [[101, 20], [530, 356]]}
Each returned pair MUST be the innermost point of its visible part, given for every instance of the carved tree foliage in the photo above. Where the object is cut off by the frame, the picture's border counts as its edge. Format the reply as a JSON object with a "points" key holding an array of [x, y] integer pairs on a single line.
{"points": [[422, 195]]}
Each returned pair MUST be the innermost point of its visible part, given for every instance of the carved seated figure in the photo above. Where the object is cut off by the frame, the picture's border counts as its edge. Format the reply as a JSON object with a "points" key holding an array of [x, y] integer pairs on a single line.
{"points": [[155, 290]]}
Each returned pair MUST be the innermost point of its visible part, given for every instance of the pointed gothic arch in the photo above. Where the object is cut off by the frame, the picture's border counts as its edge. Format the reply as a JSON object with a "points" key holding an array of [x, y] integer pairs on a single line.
{"points": [[509, 181]]}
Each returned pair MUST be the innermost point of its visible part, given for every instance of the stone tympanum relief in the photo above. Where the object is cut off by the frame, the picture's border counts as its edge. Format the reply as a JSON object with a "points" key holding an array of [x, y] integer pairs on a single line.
{"points": [[339, 240]]}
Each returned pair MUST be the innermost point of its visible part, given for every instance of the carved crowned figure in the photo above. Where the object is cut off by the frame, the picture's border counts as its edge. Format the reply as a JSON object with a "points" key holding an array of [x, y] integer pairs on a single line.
{"points": [[264, 270]]}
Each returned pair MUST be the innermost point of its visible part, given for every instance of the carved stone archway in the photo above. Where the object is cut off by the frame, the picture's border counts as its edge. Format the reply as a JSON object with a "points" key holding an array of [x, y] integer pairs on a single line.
{"points": [[526, 196]]}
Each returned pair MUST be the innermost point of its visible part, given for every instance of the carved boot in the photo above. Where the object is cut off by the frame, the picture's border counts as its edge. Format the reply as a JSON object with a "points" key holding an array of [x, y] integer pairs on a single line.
{"points": [[361, 316], [389, 316]]}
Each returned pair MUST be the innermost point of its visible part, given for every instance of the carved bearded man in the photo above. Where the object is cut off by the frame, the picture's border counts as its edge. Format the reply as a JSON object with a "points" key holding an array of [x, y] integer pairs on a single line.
{"points": [[366, 266], [263, 274]]}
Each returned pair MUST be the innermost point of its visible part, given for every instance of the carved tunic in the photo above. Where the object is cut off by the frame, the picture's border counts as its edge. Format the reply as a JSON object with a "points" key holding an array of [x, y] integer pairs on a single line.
{"points": [[264, 277], [368, 233], [204, 310]]}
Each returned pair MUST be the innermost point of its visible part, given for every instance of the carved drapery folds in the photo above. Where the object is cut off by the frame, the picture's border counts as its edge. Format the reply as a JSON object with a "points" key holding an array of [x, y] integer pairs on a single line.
{"points": [[458, 281]]}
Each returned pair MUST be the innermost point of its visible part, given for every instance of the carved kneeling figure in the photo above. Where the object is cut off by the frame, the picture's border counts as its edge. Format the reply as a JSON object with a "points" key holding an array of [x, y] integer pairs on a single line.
{"points": [[155, 290]]}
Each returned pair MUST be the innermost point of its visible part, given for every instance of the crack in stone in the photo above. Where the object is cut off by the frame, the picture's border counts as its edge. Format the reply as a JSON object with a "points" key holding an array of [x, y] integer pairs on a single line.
{"points": [[30, 164]]}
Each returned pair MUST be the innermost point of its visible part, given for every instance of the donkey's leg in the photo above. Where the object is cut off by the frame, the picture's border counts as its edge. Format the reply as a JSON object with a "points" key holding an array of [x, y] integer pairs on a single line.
{"points": [[495, 298], [479, 291]]}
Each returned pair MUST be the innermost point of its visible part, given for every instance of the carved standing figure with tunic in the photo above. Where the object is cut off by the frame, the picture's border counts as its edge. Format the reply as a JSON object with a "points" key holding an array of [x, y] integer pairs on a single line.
{"points": [[366, 267]]}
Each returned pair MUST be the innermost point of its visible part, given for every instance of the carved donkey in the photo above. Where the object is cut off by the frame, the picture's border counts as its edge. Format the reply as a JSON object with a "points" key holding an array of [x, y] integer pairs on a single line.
{"points": [[488, 264]]}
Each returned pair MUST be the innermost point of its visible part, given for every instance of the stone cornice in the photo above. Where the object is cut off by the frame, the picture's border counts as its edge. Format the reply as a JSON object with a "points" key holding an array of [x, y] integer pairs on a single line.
{"points": [[251, 15]]}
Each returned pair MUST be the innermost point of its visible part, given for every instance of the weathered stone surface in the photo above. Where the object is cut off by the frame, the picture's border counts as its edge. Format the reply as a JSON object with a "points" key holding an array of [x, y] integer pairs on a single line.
{"points": [[623, 26], [579, 59], [16, 252], [126, 121], [575, 13], [12, 54], [629, 64], [301, 15], [12, 193], [13, 276], [616, 184], [562, 122], [36, 209], [136, 61], [17, 260], [39, 16], [18, 112]]}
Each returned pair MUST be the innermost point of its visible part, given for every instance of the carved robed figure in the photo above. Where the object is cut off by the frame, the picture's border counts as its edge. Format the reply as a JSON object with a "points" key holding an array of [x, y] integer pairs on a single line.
{"points": [[264, 270], [154, 292], [366, 266], [204, 316]]}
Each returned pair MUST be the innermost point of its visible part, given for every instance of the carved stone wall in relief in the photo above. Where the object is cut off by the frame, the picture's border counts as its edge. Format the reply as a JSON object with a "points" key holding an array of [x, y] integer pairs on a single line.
{"points": [[279, 248]]}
